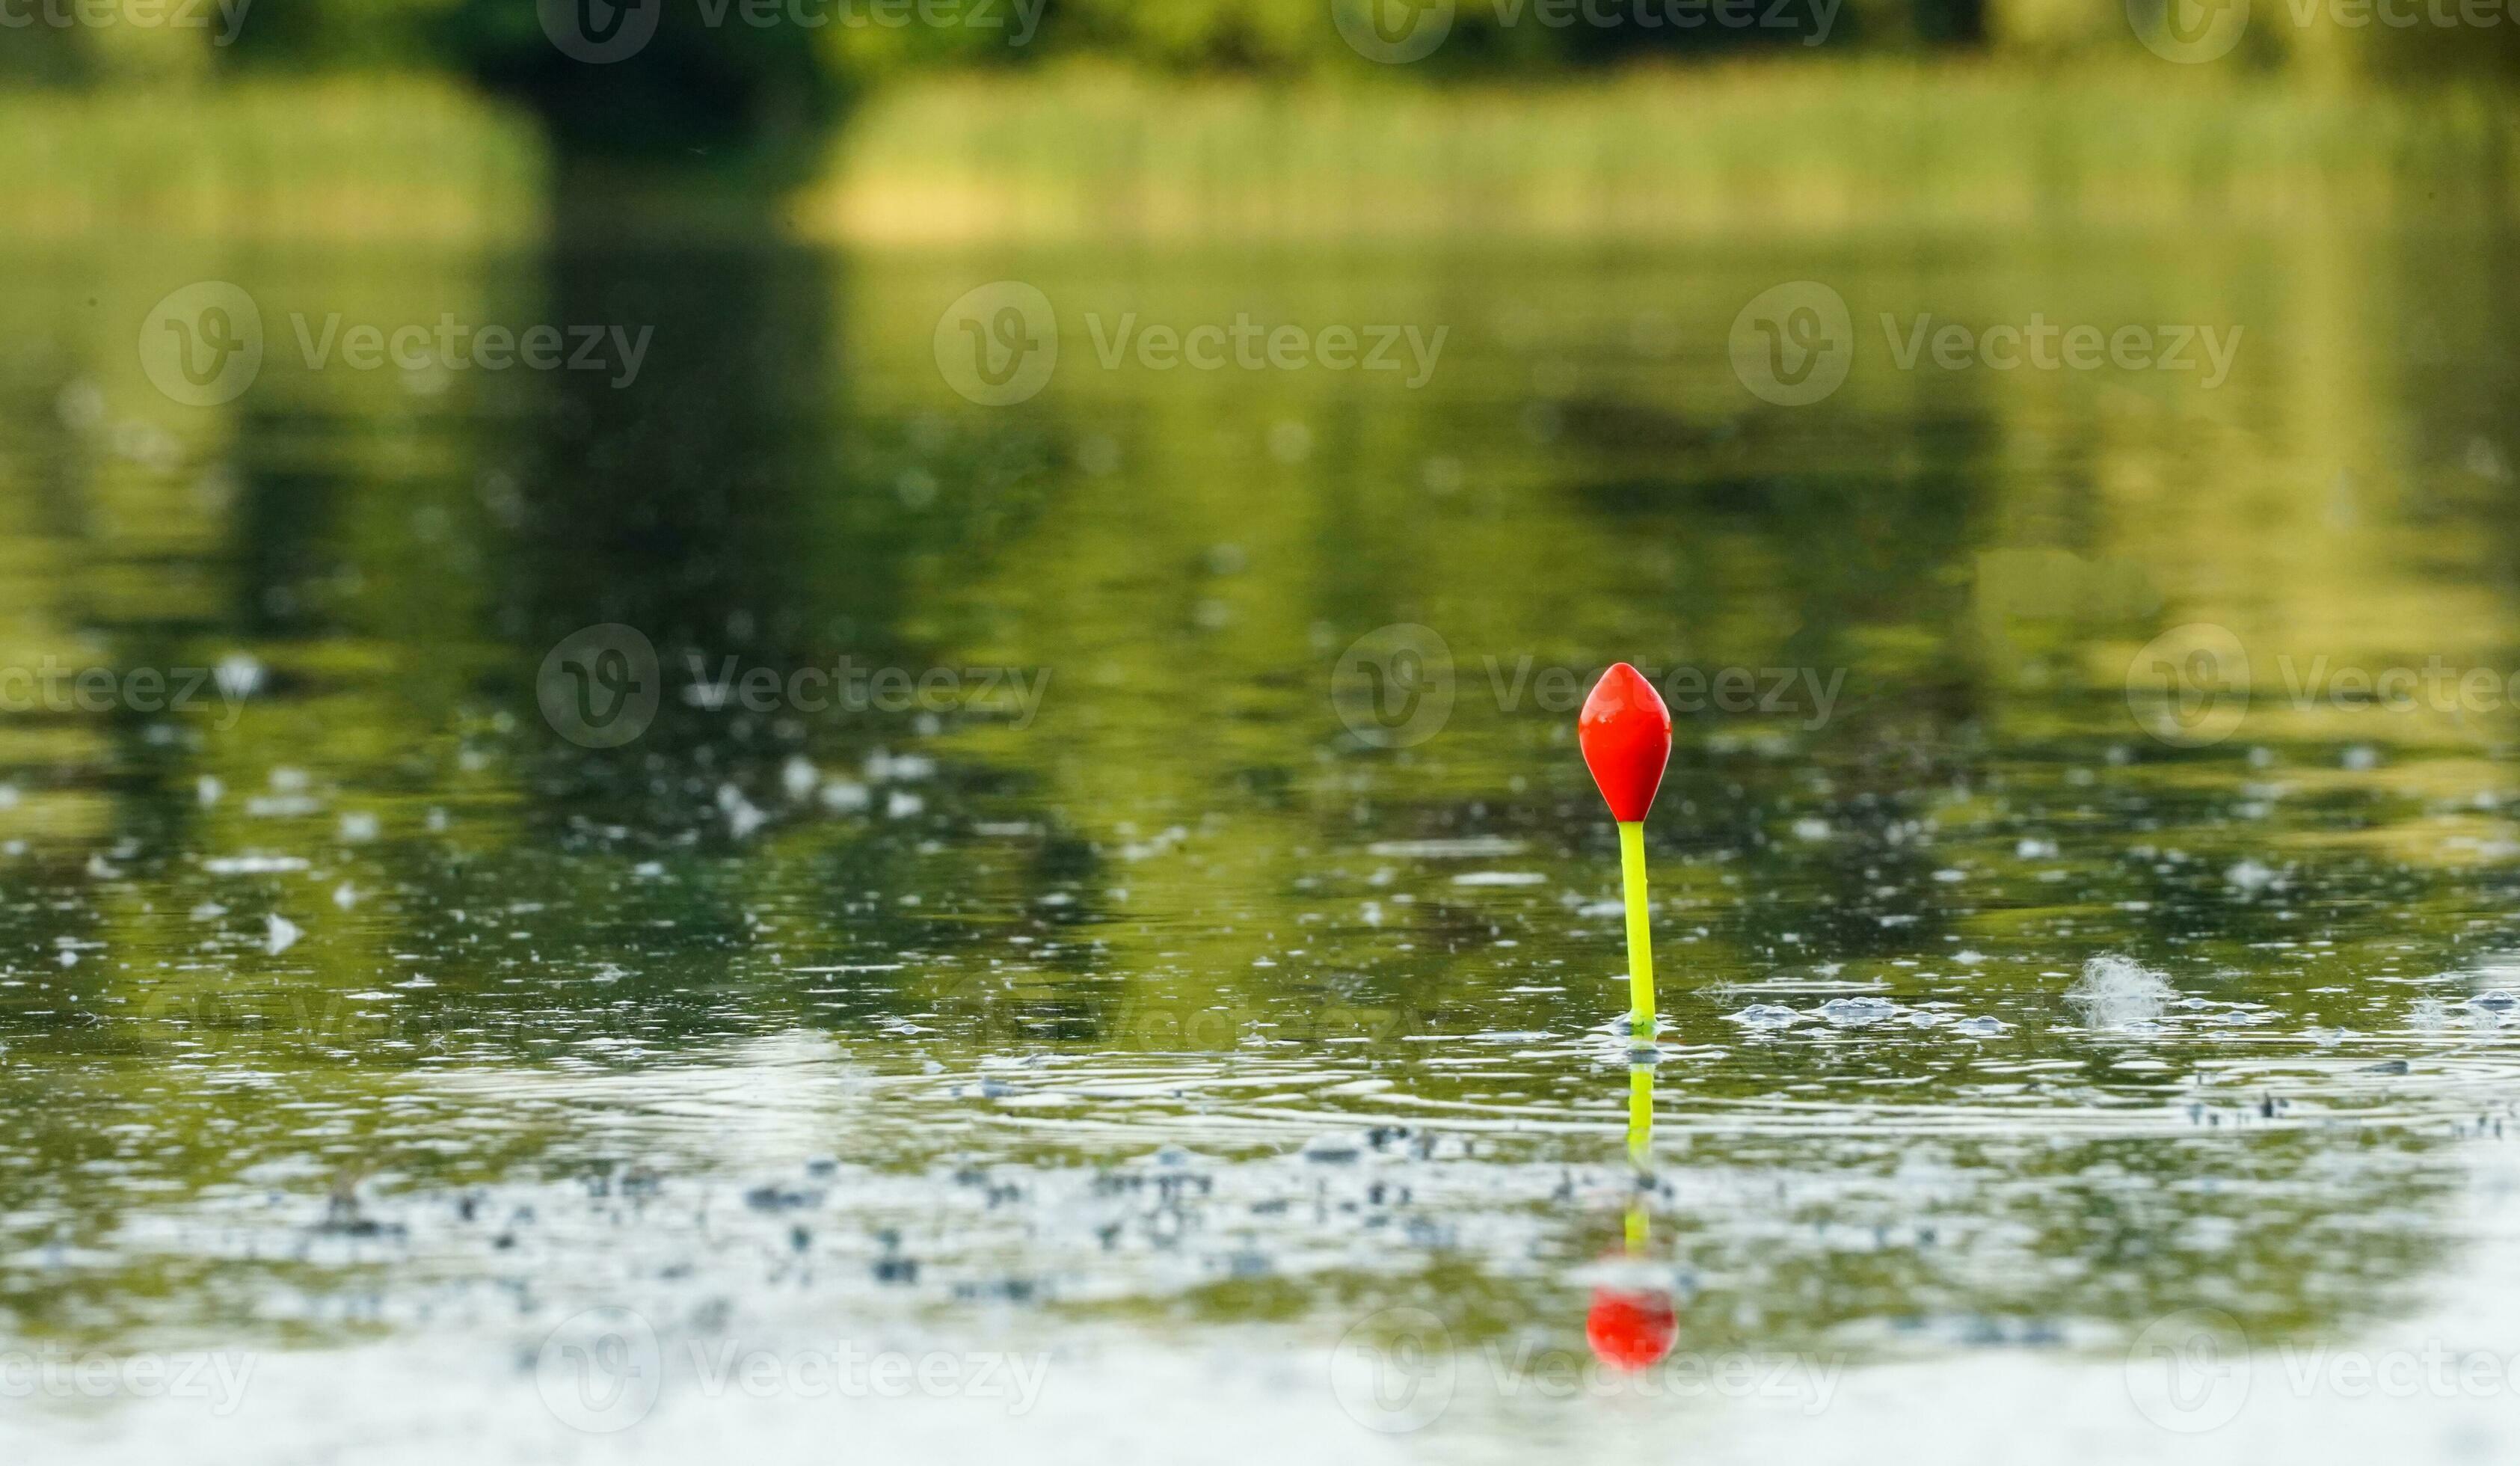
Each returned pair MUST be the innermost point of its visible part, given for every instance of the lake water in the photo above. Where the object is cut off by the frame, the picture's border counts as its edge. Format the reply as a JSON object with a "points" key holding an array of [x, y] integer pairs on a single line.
{"points": [[736, 876]]}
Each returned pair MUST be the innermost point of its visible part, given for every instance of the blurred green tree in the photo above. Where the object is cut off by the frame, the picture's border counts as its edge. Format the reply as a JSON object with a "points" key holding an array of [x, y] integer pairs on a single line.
{"points": [[637, 80]]}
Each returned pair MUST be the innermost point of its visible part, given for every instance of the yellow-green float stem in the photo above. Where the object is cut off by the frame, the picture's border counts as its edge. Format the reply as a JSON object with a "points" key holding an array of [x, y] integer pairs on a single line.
{"points": [[1631, 875], [1640, 1093]]}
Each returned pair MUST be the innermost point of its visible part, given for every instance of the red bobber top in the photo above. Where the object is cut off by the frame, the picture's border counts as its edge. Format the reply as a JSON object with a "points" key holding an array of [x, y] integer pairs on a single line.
{"points": [[1626, 733]]}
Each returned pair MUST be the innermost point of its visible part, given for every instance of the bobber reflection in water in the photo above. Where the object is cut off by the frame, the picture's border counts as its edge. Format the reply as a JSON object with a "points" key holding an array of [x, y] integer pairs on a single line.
{"points": [[1626, 733], [1633, 1328]]}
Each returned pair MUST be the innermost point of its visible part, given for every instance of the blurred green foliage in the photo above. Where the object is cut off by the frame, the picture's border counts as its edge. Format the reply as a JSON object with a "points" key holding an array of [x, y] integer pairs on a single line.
{"points": [[767, 76]]}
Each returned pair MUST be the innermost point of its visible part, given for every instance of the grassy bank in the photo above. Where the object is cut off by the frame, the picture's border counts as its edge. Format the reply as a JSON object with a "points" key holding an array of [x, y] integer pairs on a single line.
{"points": [[1769, 149], [1105, 157], [345, 160]]}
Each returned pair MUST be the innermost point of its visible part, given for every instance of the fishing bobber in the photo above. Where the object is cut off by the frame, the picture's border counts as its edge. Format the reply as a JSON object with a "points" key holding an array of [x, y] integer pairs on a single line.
{"points": [[1626, 734]]}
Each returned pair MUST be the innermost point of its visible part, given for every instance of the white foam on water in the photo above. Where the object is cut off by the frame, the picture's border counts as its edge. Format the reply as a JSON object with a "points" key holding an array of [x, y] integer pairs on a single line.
{"points": [[2115, 991], [1854, 1012]]}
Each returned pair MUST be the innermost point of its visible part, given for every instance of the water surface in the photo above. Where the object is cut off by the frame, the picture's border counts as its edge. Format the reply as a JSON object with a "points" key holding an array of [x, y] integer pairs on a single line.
{"points": [[1171, 989]]}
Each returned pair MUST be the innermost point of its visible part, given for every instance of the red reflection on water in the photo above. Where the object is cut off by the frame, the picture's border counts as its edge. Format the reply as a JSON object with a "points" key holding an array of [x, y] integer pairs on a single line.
{"points": [[1631, 1330]]}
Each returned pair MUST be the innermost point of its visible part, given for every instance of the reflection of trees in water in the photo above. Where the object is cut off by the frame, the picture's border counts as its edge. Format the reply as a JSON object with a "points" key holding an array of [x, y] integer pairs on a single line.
{"points": [[684, 504], [738, 500], [730, 502]]}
